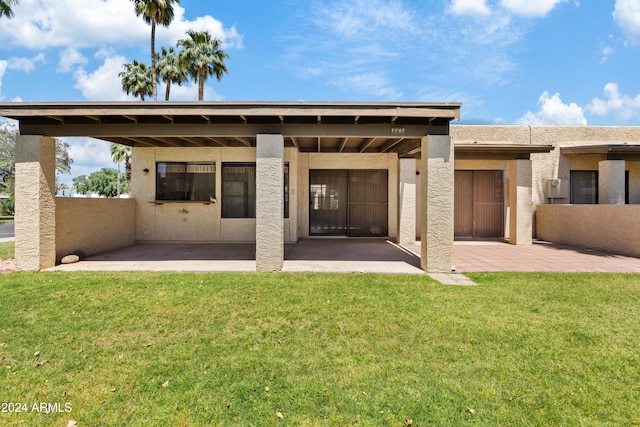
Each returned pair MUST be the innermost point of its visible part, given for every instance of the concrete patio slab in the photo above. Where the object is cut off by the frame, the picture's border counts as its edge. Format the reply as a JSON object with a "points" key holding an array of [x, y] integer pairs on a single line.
{"points": [[307, 255], [357, 255], [455, 279], [477, 256]]}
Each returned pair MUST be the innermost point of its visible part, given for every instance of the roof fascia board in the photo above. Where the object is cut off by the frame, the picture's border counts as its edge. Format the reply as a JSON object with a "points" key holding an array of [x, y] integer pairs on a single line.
{"points": [[232, 130]]}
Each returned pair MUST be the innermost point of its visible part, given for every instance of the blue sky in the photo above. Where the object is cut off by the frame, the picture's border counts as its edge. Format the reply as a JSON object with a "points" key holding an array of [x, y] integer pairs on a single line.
{"points": [[508, 61]]}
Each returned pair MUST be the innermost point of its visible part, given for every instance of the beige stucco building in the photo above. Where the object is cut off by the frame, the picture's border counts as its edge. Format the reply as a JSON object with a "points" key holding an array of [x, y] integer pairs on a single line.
{"points": [[272, 173]]}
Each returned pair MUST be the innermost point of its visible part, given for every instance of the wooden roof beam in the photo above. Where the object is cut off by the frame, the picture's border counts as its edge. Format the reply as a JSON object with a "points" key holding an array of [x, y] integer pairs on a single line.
{"points": [[366, 145], [343, 144], [389, 145], [244, 141]]}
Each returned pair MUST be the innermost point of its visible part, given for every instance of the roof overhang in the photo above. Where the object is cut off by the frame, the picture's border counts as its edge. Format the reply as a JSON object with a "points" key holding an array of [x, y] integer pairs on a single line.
{"points": [[629, 152], [309, 126], [477, 151]]}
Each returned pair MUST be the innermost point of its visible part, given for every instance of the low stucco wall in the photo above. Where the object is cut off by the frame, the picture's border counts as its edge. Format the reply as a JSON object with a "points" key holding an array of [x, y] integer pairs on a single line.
{"points": [[93, 225], [609, 228]]}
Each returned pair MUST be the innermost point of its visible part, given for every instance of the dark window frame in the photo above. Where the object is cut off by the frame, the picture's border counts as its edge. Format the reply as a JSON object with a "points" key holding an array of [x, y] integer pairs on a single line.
{"points": [[249, 211], [579, 192], [185, 185]]}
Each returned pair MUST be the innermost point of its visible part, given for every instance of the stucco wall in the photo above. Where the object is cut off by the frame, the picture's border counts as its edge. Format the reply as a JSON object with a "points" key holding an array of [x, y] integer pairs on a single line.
{"points": [[93, 225], [610, 228], [554, 165], [186, 221]]}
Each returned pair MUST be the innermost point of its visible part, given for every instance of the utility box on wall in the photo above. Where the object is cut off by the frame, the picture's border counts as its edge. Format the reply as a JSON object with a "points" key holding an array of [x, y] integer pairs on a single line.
{"points": [[557, 189]]}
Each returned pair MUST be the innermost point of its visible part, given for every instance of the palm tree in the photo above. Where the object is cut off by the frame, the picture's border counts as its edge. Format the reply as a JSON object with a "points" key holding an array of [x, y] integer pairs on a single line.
{"points": [[202, 58], [136, 79], [170, 69], [122, 153], [155, 12], [5, 7], [62, 187]]}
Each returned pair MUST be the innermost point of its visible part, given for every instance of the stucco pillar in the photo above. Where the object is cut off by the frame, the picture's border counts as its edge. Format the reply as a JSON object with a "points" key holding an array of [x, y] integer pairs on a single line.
{"points": [[611, 182], [269, 202], [407, 203], [35, 215], [521, 203], [436, 200]]}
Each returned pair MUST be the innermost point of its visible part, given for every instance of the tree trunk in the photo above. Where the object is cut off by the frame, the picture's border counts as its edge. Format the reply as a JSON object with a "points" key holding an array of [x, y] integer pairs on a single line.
{"points": [[154, 76], [127, 169], [168, 91], [118, 183], [201, 85]]}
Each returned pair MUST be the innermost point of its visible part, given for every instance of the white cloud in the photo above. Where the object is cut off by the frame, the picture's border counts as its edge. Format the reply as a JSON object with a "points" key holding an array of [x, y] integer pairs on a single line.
{"points": [[626, 14], [358, 18], [25, 64], [606, 52], [91, 152], [88, 155], [530, 8], [469, 7], [554, 112], [103, 84], [18, 63], [3, 69], [189, 92], [70, 58], [229, 36], [623, 106], [39, 24]]}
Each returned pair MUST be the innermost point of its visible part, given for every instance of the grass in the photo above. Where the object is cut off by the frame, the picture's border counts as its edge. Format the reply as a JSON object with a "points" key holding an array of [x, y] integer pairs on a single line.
{"points": [[320, 350], [7, 250]]}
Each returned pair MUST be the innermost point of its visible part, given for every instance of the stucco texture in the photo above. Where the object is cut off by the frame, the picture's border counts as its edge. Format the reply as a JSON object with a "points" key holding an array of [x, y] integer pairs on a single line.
{"points": [[195, 221], [609, 228], [34, 203], [92, 226]]}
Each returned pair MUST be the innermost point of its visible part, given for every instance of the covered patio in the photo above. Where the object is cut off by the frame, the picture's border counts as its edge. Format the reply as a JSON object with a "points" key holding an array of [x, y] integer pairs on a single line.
{"points": [[280, 144]]}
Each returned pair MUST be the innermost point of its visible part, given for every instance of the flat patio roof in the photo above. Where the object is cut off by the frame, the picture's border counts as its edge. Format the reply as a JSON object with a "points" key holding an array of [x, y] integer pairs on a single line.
{"points": [[609, 151], [308, 126]]}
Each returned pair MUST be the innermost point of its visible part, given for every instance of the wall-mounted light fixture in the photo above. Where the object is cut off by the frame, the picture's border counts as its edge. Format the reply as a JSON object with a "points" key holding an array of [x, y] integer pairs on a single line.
{"points": [[145, 170]]}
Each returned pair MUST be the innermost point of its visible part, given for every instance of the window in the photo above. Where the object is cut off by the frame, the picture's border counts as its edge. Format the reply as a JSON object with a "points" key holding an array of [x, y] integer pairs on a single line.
{"points": [[584, 187], [238, 190], [286, 190], [185, 181]]}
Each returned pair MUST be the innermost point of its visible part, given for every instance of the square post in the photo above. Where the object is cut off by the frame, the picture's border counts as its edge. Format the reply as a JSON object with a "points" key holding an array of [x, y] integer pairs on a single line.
{"points": [[35, 222], [611, 180], [407, 204], [436, 200], [521, 201], [269, 202]]}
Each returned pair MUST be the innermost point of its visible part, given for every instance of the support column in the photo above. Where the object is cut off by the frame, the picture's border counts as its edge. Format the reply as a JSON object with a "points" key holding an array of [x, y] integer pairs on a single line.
{"points": [[269, 202], [436, 199], [35, 218], [407, 203], [520, 203], [611, 181]]}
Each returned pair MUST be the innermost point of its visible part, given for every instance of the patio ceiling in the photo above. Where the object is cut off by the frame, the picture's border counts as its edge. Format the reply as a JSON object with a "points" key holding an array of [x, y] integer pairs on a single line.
{"points": [[310, 127]]}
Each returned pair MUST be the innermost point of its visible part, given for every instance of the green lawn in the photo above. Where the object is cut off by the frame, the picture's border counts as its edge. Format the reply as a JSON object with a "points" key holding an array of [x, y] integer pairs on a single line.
{"points": [[7, 250], [320, 349]]}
